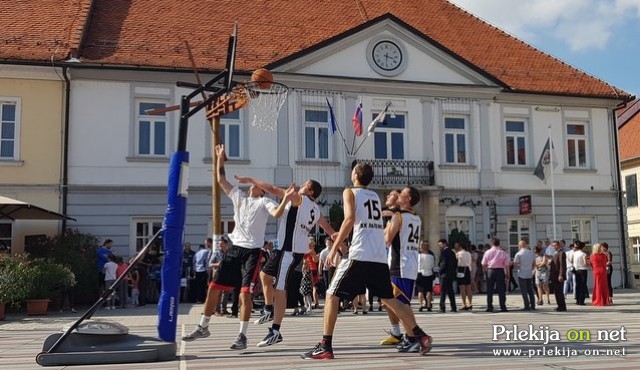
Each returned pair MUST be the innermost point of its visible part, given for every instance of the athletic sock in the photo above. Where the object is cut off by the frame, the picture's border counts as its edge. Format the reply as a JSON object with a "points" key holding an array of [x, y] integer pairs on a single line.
{"points": [[204, 321], [268, 307], [417, 331], [395, 330], [275, 327], [243, 327], [327, 339]]}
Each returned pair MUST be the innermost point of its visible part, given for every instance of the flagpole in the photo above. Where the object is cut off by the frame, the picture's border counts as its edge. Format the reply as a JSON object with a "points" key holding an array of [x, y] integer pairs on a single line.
{"points": [[335, 124], [553, 192], [370, 129]]}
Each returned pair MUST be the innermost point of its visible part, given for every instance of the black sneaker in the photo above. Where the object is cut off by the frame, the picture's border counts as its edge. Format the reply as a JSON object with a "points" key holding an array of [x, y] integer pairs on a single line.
{"points": [[321, 351], [409, 345], [273, 337], [240, 343], [266, 316]]}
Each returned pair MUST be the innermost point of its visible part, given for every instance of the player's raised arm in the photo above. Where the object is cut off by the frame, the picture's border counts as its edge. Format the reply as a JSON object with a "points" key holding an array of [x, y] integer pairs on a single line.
{"points": [[269, 188], [326, 226], [289, 194], [222, 175]]}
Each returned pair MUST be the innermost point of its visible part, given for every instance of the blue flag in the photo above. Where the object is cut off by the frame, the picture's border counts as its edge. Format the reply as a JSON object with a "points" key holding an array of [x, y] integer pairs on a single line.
{"points": [[332, 119]]}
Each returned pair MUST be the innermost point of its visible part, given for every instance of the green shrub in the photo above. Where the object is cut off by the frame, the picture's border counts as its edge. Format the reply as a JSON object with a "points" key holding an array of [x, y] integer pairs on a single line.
{"points": [[77, 251], [47, 278], [14, 279]]}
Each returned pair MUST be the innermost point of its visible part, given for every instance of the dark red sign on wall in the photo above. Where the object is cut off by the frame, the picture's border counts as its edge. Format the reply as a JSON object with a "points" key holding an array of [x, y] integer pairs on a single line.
{"points": [[525, 204]]}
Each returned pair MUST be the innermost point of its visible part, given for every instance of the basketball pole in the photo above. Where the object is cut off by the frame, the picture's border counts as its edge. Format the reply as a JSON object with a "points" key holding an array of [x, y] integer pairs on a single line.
{"points": [[215, 186]]}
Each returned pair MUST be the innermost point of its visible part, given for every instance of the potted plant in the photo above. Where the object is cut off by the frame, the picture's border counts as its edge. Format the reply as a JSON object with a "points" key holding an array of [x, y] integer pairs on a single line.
{"points": [[46, 280], [14, 281]]}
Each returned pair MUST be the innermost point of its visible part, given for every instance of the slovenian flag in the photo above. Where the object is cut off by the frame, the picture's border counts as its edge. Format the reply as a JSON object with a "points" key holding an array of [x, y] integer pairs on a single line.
{"points": [[357, 119], [332, 120]]}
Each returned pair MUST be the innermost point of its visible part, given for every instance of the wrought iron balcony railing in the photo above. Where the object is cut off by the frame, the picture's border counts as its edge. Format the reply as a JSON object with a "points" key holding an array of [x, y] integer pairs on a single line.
{"points": [[392, 172]]}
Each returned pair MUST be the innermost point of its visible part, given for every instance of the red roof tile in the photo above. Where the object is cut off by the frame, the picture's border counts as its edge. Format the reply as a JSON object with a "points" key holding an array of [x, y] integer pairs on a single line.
{"points": [[41, 30], [629, 130], [151, 33]]}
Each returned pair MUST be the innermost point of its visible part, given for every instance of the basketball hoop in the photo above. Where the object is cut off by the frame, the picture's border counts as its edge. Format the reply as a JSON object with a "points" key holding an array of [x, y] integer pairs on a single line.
{"points": [[265, 103]]}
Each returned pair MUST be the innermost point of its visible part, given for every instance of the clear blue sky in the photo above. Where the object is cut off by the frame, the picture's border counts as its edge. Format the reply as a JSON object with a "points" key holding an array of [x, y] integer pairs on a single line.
{"points": [[600, 37]]}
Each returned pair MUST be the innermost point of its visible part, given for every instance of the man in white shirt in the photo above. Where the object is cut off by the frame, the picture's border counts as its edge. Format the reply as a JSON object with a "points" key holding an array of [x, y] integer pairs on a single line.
{"points": [[569, 283], [525, 262], [242, 260]]}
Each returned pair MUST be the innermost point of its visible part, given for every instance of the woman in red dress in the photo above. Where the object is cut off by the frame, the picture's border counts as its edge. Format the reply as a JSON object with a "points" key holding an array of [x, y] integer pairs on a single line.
{"points": [[598, 259]]}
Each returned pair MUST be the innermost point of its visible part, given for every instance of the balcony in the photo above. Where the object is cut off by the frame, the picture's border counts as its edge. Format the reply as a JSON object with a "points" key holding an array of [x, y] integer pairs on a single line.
{"points": [[392, 172]]}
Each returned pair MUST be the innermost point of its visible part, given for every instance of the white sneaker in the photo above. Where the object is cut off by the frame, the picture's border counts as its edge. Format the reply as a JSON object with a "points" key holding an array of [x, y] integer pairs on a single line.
{"points": [[199, 332]]}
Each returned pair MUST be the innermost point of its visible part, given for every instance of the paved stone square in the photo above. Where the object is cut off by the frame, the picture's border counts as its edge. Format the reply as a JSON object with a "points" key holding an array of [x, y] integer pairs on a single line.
{"points": [[462, 340]]}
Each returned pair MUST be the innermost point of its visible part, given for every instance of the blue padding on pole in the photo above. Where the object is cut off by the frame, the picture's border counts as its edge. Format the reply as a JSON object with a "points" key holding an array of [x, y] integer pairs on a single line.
{"points": [[173, 225]]}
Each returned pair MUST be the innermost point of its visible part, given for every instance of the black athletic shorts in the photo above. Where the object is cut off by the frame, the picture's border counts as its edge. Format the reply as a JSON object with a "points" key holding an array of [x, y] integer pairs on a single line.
{"points": [[240, 266], [281, 266], [352, 277]]}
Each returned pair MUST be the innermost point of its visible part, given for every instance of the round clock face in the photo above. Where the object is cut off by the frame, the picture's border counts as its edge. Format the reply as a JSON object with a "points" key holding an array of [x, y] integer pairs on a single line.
{"points": [[387, 55]]}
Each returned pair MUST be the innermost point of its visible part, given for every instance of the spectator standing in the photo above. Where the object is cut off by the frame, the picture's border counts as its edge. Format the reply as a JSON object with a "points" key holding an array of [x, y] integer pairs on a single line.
{"points": [[580, 266], [103, 253], [123, 286], [135, 286], [525, 263], [557, 273], [67, 291], [424, 283], [605, 249], [463, 276], [542, 275], [448, 265], [600, 296], [496, 263], [569, 285], [110, 269], [201, 269]]}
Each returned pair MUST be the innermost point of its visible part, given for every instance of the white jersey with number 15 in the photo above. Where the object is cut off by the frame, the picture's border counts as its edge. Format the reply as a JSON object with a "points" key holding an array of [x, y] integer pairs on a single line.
{"points": [[367, 243]]}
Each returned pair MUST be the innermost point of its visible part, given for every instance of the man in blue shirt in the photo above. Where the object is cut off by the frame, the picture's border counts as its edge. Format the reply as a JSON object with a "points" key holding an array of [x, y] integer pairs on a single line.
{"points": [[103, 254]]}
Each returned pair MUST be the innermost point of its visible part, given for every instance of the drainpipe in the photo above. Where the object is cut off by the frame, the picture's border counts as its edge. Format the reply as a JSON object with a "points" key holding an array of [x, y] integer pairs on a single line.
{"points": [[65, 148], [623, 239]]}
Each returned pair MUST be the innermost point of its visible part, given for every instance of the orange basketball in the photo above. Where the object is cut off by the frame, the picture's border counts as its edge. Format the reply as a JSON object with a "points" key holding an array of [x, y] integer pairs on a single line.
{"points": [[262, 77]]}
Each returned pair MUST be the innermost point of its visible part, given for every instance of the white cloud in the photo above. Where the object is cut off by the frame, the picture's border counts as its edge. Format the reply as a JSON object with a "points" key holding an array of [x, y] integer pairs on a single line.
{"points": [[582, 25]]}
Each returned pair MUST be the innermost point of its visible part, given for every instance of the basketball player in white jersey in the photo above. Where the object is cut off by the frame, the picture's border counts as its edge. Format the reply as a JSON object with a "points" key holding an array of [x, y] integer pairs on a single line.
{"points": [[299, 218], [402, 234], [241, 263], [366, 265]]}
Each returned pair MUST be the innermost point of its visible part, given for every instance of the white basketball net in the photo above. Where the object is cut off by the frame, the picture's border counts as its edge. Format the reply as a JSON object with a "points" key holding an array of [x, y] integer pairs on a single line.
{"points": [[265, 104]]}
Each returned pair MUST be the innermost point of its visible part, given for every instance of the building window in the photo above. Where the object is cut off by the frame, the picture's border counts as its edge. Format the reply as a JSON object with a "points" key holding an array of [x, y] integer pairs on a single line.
{"points": [[519, 229], [516, 132], [631, 187], [635, 244], [151, 129], [144, 231], [226, 225], [9, 130], [5, 236], [455, 139], [459, 228], [389, 137], [583, 229], [316, 133], [230, 131], [577, 145]]}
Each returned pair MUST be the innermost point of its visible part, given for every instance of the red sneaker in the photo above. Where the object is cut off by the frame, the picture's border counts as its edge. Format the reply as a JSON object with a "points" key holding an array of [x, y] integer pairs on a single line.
{"points": [[321, 351], [425, 344]]}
